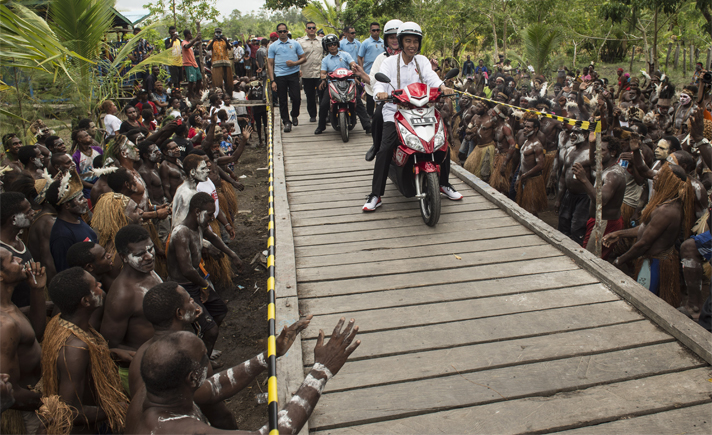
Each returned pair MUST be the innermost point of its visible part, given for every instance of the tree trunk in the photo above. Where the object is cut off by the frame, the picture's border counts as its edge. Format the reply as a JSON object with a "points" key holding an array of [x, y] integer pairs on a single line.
{"points": [[677, 56], [709, 59], [200, 54], [655, 42], [632, 57], [667, 58], [692, 55], [504, 32], [494, 35], [173, 4], [684, 62], [708, 16], [573, 67], [645, 41]]}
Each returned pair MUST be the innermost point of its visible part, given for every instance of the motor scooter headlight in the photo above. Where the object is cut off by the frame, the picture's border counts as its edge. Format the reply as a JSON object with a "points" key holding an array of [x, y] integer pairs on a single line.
{"points": [[411, 141], [438, 141]]}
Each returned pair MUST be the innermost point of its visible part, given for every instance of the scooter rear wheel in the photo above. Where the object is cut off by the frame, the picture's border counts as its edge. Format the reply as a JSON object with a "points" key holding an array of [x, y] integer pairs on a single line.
{"points": [[430, 204], [344, 126]]}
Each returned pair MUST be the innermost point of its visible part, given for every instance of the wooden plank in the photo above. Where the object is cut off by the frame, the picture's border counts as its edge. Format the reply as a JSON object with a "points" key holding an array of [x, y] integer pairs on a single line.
{"points": [[454, 311], [542, 379], [356, 215], [690, 420], [499, 328], [405, 221], [571, 409], [517, 285], [437, 248], [674, 322], [365, 246], [489, 356], [446, 263], [420, 279], [358, 173]]}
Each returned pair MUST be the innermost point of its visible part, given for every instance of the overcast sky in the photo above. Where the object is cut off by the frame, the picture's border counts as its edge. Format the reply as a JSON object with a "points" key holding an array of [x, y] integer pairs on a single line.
{"points": [[224, 6]]}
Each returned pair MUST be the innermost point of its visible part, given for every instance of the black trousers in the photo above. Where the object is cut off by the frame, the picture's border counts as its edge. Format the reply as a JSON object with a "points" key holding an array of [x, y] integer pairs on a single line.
{"points": [[176, 74], [389, 142], [288, 85], [370, 105], [310, 89], [360, 112], [377, 126]]}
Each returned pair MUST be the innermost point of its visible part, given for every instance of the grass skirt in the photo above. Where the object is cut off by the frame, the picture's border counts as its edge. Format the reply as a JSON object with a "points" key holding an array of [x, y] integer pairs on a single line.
{"points": [[532, 195], [228, 200], [549, 164], [220, 269], [481, 161], [497, 180]]}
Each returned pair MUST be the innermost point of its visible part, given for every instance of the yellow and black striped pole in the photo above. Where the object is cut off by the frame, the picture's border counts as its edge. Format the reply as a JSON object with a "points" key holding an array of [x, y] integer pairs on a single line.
{"points": [[272, 405], [584, 125]]}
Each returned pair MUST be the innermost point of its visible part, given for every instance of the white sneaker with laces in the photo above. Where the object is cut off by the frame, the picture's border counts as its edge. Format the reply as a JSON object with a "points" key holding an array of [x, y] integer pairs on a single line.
{"points": [[372, 203], [450, 192]]}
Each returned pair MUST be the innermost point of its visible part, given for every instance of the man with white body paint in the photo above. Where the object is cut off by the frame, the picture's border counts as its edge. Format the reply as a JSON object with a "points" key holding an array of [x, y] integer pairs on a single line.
{"points": [[197, 172], [174, 369], [171, 309], [184, 257], [16, 214], [124, 324]]}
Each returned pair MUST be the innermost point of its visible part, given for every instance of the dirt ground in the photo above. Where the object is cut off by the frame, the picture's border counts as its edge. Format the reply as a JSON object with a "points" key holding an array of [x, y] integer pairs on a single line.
{"points": [[244, 332]]}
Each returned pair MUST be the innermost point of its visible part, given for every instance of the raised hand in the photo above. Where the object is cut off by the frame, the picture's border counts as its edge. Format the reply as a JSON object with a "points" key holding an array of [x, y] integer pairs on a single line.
{"points": [[289, 334], [335, 352]]}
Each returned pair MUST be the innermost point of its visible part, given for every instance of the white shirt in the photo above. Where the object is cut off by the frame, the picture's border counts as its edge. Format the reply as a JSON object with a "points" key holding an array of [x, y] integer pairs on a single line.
{"points": [[239, 96], [375, 68], [112, 124], [408, 75], [232, 118], [208, 187]]}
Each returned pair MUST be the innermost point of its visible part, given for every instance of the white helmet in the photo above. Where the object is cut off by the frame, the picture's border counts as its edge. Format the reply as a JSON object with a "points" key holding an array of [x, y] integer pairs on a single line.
{"points": [[410, 28], [391, 27]]}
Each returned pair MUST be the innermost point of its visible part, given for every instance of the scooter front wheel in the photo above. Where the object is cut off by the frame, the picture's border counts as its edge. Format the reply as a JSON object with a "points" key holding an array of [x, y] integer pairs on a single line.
{"points": [[344, 126], [430, 202]]}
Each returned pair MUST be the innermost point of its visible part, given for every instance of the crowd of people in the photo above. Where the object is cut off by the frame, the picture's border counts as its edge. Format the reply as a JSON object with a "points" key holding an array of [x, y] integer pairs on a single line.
{"points": [[113, 250], [121, 237]]}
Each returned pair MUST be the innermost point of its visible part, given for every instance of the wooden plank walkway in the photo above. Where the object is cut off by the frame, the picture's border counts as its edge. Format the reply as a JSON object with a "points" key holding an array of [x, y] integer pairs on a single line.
{"points": [[488, 323]]}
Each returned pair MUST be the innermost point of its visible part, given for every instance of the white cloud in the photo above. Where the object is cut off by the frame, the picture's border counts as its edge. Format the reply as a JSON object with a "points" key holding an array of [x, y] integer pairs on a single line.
{"points": [[224, 6]]}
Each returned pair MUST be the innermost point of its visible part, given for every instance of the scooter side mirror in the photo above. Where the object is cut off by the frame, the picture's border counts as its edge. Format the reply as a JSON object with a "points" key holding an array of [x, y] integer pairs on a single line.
{"points": [[382, 78], [450, 74]]}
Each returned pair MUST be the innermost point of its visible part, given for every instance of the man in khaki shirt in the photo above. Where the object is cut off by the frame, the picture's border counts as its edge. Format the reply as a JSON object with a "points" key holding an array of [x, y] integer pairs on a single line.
{"points": [[311, 43]]}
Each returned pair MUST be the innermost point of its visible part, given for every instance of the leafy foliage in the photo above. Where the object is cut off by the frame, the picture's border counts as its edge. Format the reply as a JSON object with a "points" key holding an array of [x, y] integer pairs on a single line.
{"points": [[539, 43]]}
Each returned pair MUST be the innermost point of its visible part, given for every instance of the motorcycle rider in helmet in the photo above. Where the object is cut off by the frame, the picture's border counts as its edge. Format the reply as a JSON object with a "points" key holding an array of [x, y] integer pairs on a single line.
{"points": [[390, 35], [403, 69], [335, 59]]}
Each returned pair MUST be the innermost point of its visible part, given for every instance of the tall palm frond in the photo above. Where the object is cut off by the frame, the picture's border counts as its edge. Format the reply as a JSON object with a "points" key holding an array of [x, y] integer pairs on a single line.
{"points": [[325, 15], [540, 40], [28, 42], [81, 24]]}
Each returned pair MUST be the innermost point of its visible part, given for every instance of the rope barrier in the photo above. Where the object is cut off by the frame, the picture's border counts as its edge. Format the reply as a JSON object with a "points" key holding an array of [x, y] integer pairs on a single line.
{"points": [[272, 405], [584, 125]]}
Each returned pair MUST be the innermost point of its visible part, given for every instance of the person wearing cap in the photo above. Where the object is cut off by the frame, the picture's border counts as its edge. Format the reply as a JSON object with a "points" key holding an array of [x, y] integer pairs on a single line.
{"points": [[221, 67], [367, 53], [311, 44], [284, 59], [254, 47]]}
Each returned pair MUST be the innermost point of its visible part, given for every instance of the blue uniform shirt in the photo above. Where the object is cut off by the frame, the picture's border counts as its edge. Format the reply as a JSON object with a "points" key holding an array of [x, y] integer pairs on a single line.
{"points": [[369, 51], [281, 52], [332, 62], [351, 48]]}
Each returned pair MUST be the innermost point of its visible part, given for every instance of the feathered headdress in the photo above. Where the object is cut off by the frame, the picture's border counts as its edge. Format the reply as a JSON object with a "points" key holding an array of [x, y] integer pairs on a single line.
{"points": [[667, 92], [42, 186], [70, 187], [98, 172]]}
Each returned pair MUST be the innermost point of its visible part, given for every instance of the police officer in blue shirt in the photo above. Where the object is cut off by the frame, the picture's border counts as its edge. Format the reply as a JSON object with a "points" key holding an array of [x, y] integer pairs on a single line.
{"points": [[283, 59], [350, 44], [334, 60], [369, 51]]}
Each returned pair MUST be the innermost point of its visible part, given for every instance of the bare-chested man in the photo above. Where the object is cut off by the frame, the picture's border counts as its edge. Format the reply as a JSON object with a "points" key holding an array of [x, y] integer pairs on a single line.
{"points": [[661, 224], [16, 215], [169, 406], [151, 155], [480, 160], [171, 309], [93, 258], [467, 111], [572, 201], [31, 158], [20, 353], [12, 145], [196, 170], [531, 186], [184, 255], [124, 324], [76, 361], [504, 140], [613, 190], [171, 170]]}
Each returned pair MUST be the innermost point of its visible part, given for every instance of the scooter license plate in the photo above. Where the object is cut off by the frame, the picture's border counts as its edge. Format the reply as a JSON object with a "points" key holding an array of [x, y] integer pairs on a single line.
{"points": [[427, 120]]}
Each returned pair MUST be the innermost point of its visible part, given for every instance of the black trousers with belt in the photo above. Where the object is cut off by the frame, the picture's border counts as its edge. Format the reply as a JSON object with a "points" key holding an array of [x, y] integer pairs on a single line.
{"points": [[310, 90], [288, 85]]}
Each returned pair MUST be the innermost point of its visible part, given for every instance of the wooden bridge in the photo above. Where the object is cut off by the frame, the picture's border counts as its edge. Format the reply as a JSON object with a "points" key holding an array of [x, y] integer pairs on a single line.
{"points": [[491, 322]]}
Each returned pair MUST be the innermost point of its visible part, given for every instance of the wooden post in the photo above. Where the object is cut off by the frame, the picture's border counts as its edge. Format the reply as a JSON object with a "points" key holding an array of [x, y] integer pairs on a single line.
{"points": [[709, 59], [684, 61], [692, 55], [677, 56], [598, 226], [632, 56], [667, 57]]}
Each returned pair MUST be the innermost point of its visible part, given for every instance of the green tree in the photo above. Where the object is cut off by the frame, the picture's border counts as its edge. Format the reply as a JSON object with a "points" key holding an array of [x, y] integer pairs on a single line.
{"points": [[539, 43]]}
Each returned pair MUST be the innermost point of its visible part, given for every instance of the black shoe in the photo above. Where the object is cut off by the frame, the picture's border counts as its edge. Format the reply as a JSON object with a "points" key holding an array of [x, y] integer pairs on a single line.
{"points": [[287, 127], [368, 130], [319, 130], [371, 153], [295, 121], [312, 119]]}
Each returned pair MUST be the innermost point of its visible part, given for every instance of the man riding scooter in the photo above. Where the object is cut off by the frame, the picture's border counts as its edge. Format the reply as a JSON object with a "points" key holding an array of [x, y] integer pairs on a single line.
{"points": [[403, 69]]}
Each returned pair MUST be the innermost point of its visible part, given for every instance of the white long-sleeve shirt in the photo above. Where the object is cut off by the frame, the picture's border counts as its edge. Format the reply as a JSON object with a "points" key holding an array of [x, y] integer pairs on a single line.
{"points": [[375, 68], [408, 75]]}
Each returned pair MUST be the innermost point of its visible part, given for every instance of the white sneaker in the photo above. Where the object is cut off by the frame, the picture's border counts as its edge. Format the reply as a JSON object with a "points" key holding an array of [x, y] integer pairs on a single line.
{"points": [[450, 192], [372, 203]]}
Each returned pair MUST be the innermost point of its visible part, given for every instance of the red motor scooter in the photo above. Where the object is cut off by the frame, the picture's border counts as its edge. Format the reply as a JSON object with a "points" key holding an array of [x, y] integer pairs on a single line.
{"points": [[342, 93], [423, 145]]}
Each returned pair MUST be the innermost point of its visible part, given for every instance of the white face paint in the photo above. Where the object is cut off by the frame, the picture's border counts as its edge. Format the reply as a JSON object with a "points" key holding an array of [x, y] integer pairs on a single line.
{"points": [[141, 261], [37, 161], [128, 150], [98, 299], [20, 220], [685, 99], [203, 217], [201, 172]]}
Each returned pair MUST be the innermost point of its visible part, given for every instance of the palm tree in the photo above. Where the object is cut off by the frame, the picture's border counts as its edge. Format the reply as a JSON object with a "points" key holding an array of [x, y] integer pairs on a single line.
{"points": [[326, 15], [540, 40]]}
